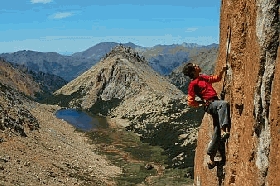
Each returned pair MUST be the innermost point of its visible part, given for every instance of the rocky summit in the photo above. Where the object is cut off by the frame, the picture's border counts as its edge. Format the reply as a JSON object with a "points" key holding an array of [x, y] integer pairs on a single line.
{"points": [[126, 78]]}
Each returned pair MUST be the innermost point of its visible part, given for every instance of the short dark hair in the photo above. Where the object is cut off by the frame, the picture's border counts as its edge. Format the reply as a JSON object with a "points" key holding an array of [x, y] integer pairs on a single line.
{"points": [[188, 70]]}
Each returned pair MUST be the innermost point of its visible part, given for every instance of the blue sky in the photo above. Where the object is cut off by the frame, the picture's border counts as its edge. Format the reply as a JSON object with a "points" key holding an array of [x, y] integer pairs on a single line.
{"points": [[75, 25]]}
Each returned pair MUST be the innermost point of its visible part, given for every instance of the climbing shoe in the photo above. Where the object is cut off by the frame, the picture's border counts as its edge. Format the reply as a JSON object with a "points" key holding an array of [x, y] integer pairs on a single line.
{"points": [[211, 164], [225, 136]]}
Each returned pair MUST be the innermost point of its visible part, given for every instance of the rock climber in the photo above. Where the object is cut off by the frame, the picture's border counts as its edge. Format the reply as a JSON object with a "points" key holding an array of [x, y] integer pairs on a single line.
{"points": [[201, 86]]}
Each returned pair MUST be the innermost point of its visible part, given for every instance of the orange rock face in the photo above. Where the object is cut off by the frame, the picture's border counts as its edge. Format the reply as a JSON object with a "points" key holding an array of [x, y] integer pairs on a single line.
{"points": [[249, 45]]}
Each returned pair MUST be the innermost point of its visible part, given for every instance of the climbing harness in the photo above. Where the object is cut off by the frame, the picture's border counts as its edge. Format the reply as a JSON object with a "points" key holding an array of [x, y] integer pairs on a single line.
{"points": [[223, 93]]}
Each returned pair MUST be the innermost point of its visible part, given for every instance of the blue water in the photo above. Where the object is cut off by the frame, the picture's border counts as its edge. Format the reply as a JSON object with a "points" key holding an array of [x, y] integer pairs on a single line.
{"points": [[82, 120]]}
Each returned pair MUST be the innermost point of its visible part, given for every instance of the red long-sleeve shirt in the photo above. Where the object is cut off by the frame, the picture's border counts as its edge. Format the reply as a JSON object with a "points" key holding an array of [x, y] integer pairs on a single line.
{"points": [[202, 87]]}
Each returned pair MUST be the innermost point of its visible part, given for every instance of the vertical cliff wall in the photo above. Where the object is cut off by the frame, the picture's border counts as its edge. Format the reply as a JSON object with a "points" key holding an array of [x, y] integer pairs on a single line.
{"points": [[249, 45]]}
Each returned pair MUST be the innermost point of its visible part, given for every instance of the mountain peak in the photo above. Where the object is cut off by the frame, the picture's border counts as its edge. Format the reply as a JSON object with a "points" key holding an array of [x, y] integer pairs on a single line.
{"points": [[126, 52], [123, 75]]}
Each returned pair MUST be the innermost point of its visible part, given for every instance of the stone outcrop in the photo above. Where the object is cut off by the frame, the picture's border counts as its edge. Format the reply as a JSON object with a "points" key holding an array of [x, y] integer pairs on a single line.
{"points": [[249, 45], [15, 117]]}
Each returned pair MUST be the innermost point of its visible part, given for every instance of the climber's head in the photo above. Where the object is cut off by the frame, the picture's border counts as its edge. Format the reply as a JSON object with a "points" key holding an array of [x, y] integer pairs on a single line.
{"points": [[192, 70]]}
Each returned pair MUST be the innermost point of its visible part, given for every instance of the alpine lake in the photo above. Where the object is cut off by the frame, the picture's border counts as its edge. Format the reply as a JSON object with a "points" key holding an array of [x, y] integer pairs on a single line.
{"points": [[141, 163]]}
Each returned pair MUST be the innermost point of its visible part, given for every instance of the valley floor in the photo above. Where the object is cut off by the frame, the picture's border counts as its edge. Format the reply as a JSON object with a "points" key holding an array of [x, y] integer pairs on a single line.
{"points": [[53, 155]]}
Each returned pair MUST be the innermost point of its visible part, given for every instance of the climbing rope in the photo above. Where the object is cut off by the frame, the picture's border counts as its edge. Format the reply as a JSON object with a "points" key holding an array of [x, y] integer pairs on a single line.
{"points": [[223, 92]]}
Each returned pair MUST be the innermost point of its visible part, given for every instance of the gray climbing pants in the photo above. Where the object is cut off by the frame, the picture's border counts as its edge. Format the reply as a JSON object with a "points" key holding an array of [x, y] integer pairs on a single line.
{"points": [[220, 112]]}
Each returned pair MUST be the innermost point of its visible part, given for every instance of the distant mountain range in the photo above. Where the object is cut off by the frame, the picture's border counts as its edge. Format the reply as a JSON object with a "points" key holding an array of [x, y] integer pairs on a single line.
{"points": [[162, 58], [67, 67]]}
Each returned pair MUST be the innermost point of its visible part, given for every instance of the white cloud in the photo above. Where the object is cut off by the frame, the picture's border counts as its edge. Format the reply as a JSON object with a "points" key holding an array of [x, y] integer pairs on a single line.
{"points": [[191, 29], [40, 1], [61, 15]]}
